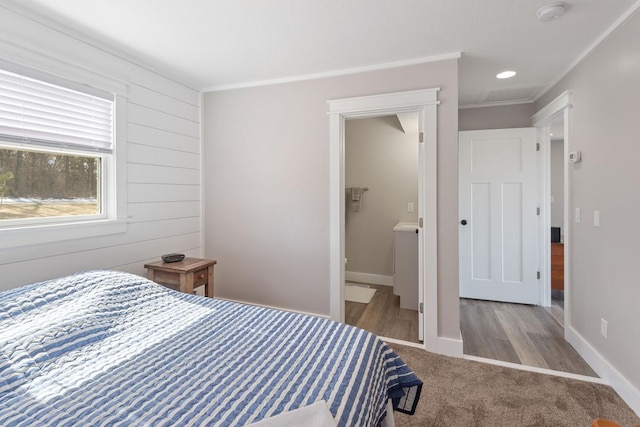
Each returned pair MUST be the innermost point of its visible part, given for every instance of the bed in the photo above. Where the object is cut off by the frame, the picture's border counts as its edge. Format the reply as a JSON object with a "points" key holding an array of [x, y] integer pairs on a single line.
{"points": [[106, 348]]}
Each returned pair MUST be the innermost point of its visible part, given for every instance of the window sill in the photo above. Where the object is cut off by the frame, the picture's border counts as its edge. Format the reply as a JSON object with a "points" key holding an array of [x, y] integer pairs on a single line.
{"points": [[47, 233]]}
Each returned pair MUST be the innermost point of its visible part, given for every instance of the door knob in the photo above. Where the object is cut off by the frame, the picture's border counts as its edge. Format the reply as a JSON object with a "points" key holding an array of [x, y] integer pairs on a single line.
{"points": [[463, 222]]}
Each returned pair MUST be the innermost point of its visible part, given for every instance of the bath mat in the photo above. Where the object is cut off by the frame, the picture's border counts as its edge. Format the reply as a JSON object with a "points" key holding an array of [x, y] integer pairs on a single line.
{"points": [[356, 293]]}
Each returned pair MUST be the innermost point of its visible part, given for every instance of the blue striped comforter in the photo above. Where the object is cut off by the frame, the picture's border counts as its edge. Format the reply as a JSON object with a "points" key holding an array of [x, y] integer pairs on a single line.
{"points": [[106, 348]]}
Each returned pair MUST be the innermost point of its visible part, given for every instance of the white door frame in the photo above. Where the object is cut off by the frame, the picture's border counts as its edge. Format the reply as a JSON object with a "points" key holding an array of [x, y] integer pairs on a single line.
{"points": [[424, 102], [542, 120]]}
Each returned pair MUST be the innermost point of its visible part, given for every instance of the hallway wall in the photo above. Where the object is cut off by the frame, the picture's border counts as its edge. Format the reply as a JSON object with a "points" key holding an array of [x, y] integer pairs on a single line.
{"points": [[603, 125]]}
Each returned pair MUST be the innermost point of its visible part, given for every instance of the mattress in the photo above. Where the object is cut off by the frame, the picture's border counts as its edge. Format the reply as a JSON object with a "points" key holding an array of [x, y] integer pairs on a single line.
{"points": [[105, 348]]}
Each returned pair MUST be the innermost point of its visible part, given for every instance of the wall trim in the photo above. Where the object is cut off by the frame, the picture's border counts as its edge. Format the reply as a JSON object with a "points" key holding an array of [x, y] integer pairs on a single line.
{"points": [[370, 106], [389, 340], [496, 104], [605, 369], [445, 346], [375, 279], [617, 23], [546, 114], [336, 73], [536, 369], [561, 105], [442, 345]]}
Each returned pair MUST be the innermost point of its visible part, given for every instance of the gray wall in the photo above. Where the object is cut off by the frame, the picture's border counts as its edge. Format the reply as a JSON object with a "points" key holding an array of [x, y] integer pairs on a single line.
{"points": [[267, 186], [604, 126], [378, 155], [556, 174], [500, 117]]}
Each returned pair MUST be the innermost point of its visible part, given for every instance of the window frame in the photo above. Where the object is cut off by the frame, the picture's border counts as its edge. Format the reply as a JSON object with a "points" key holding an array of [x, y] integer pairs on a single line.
{"points": [[113, 218], [102, 191]]}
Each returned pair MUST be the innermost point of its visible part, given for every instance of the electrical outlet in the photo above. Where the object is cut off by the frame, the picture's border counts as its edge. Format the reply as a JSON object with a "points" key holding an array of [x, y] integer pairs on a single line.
{"points": [[409, 207], [603, 328]]}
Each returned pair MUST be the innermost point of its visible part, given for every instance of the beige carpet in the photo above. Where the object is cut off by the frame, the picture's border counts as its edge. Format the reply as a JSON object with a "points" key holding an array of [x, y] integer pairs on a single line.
{"points": [[460, 392], [358, 293]]}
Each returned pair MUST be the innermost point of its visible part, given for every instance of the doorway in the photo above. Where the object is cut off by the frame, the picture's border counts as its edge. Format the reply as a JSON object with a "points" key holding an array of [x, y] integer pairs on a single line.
{"points": [[536, 335], [381, 225], [556, 171], [553, 123], [424, 103]]}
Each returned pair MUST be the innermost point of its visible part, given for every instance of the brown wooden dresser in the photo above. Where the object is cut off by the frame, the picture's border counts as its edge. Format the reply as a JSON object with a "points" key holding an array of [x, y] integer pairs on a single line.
{"points": [[557, 266]]}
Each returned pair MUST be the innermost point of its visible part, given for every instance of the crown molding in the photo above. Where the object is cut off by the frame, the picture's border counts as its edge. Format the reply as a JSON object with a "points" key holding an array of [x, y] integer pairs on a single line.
{"points": [[495, 104], [618, 22], [335, 73]]}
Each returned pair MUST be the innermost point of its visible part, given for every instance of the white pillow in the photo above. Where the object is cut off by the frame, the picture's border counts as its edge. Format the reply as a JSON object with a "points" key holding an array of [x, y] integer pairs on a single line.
{"points": [[315, 415]]}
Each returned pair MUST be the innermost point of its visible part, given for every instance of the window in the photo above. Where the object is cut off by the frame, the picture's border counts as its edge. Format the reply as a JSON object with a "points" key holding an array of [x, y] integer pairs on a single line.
{"points": [[40, 185], [57, 162]]}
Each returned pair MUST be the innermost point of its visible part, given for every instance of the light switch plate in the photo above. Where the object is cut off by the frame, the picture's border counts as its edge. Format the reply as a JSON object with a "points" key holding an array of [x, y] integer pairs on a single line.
{"points": [[577, 216], [596, 218]]}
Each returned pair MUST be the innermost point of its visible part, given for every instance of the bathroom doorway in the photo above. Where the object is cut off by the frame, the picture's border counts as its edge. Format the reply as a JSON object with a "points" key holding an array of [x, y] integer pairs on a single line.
{"points": [[381, 158], [425, 103]]}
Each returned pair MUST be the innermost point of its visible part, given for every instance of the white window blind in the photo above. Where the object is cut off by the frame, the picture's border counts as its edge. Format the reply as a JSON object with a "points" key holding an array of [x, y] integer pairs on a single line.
{"points": [[36, 113]]}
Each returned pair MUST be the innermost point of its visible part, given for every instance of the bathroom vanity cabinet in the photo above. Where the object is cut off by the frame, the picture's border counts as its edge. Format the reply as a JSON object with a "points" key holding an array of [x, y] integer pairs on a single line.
{"points": [[405, 264]]}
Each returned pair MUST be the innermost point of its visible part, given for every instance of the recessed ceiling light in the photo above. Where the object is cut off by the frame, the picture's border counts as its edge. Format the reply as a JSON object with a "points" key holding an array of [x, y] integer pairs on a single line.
{"points": [[506, 75], [551, 12]]}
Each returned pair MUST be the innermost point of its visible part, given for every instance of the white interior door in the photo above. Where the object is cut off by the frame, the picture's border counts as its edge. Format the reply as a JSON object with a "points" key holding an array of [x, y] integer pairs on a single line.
{"points": [[498, 215]]}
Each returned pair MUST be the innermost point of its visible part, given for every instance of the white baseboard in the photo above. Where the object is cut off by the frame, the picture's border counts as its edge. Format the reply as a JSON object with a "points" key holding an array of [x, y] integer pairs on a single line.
{"points": [[390, 340], [276, 308], [444, 346], [535, 369], [447, 346], [375, 279], [607, 372]]}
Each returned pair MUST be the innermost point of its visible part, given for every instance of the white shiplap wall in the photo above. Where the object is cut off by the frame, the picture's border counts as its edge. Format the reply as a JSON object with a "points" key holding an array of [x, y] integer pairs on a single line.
{"points": [[162, 148]]}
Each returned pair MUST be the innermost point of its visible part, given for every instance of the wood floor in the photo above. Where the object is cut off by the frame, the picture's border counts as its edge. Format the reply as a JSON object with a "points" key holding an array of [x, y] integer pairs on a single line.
{"points": [[383, 316], [517, 333]]}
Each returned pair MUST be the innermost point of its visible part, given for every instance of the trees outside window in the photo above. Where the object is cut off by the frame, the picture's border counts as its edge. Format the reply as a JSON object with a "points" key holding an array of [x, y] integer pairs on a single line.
{"points": [[40, 184]]}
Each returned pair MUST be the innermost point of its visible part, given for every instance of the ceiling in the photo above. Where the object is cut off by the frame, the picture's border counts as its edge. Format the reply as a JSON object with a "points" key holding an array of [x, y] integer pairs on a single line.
{"points": [[217, 44]]}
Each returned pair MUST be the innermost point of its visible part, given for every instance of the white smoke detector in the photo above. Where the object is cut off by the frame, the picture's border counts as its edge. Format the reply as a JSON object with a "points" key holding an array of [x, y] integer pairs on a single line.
{"points": [[551, 12]]}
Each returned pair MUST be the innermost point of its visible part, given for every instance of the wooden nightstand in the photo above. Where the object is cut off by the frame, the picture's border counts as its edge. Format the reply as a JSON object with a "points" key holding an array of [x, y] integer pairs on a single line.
{"points": [[184, 275]]}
